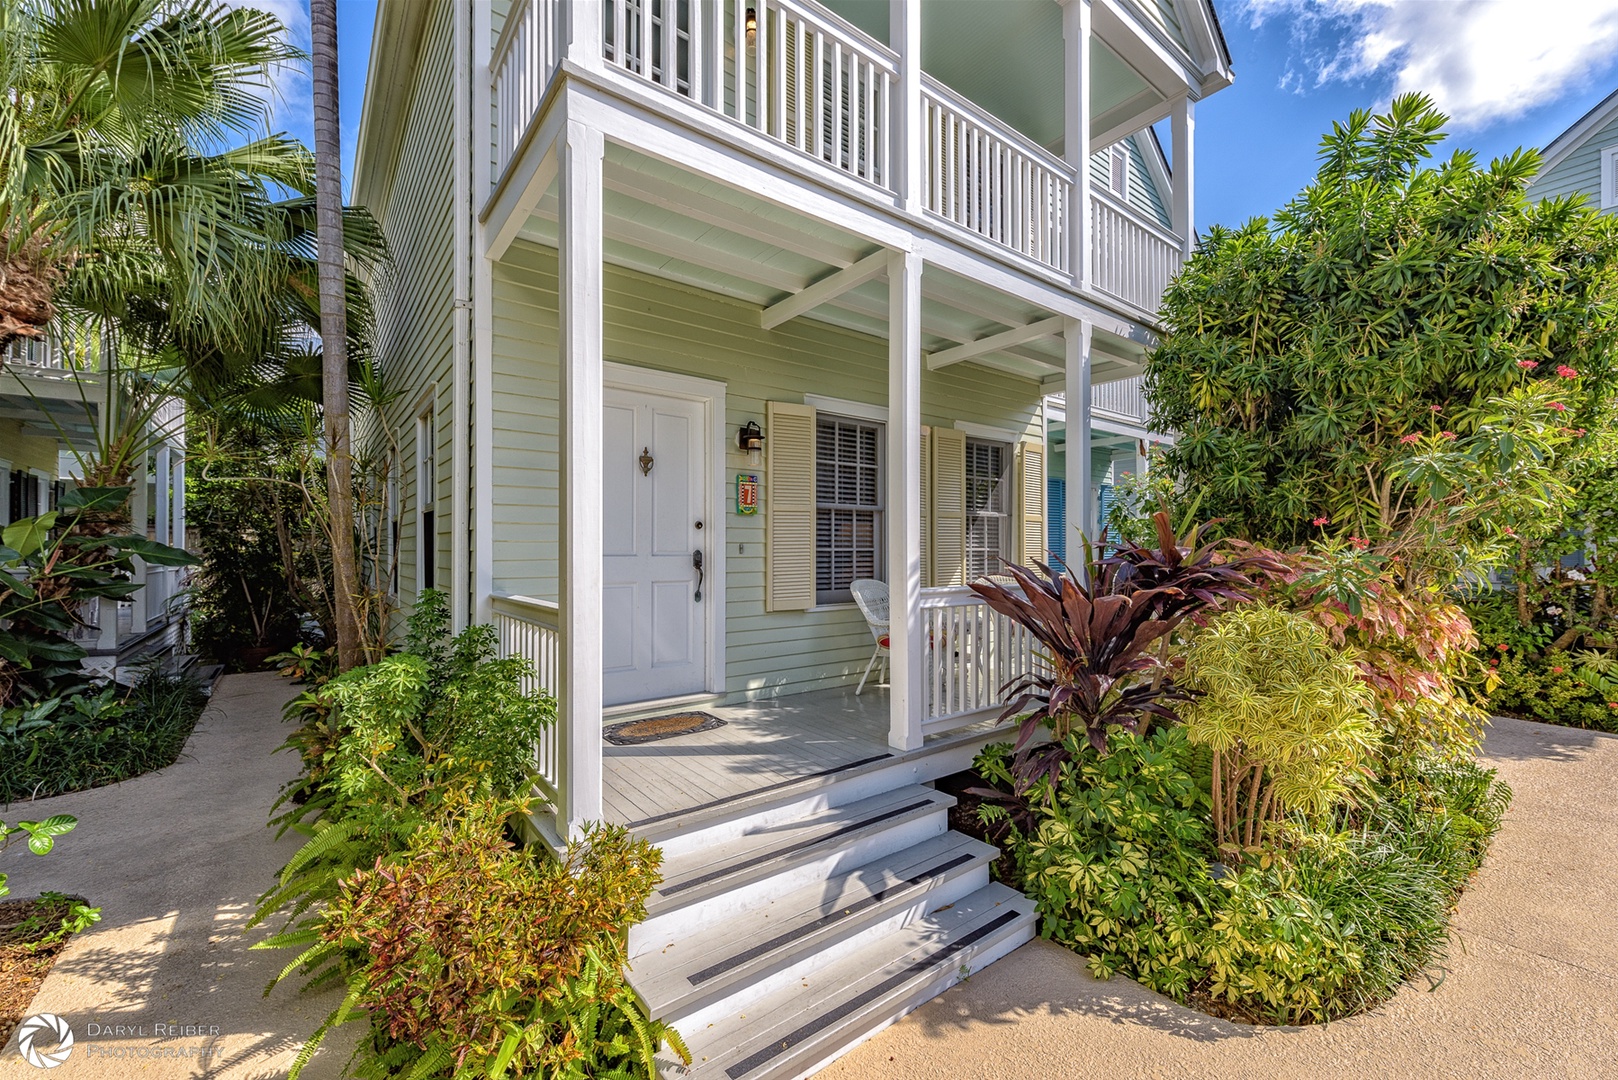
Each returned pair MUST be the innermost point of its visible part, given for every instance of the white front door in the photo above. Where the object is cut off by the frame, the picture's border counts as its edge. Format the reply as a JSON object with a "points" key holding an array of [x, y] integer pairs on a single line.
{"points": [[655, 532]]}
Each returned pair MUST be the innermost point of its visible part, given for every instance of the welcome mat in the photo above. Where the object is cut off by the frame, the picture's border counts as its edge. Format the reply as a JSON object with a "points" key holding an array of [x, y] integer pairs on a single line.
{"points": [[634, 732]]}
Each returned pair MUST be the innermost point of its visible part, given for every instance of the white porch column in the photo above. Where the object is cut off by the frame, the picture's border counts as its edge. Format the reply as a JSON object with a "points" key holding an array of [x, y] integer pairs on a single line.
{"points": [[177, 503], [1080, 502], [909, 169], [586, 42], [1076, 132], [579, 230], [1184, 125], [139, 515], [164, 483], [906, 647]]}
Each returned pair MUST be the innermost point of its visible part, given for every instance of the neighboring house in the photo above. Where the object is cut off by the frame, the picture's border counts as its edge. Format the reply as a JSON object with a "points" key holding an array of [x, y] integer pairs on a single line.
{"points": [[1583, 160], [53, 400], [698, 315]]}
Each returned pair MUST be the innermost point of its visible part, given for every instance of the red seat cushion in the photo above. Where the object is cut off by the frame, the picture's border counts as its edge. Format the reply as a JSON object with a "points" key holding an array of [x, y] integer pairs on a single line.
{"points": [[883, 641]]}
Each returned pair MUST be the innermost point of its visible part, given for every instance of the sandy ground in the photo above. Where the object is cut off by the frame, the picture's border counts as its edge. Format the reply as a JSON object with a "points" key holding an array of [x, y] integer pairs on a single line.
{"points": [[1528, 991], [176, 860]]}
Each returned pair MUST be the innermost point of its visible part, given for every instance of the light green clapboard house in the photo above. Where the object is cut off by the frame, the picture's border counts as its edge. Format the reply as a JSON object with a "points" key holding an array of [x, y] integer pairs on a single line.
{"points": [[1583, 160], [706, 316]]}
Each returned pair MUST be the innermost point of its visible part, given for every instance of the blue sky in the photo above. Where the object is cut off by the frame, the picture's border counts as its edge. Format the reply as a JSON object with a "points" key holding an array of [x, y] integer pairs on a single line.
{"points": [[1512, 73]]}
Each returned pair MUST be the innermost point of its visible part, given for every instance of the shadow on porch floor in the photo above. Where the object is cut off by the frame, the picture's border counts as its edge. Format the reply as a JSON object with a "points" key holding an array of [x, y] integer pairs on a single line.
{"points": [[764, 744]]}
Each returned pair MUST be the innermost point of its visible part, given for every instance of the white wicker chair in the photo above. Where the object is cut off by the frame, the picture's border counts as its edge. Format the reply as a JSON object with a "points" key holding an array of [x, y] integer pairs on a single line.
{"points": [[872, 597]]}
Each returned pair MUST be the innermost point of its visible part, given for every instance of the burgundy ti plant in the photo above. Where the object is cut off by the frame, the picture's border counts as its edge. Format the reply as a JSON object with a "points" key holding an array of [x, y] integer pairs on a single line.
{"points": [[1105, 642]]}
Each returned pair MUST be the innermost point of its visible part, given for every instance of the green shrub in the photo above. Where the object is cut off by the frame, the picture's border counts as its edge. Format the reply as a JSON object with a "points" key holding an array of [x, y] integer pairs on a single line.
{"points": [[101, 736], [69, 913], [1285, 714], [1117, 860], [484, 958], [1548, 688]]}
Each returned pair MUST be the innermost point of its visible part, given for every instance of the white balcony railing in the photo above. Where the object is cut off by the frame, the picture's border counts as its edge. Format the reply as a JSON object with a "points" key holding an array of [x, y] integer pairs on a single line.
{"points": [[1123, 399], [973, 651], [524, 60], [1130, 258], [531, 629], [993, 181]]}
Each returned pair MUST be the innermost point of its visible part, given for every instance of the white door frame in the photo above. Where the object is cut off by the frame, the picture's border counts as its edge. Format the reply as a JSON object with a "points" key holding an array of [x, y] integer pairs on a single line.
{"points": [[710, 393]]}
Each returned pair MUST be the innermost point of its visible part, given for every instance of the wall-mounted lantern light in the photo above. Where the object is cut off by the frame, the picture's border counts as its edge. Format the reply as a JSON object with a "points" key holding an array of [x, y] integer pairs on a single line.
{"points": [[751, 439], [750, 21]]}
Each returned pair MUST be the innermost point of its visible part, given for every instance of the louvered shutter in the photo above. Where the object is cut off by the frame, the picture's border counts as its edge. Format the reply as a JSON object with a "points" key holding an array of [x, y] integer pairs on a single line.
{"points": [[1031, 502], [949, 507], [789, 506], [926, 485]]}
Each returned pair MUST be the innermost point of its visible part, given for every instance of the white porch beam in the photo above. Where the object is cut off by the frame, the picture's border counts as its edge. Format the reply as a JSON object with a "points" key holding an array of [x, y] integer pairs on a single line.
{"points": [[655, 191], [1076, 31], [1017, 335], [1183, 178], [1080, 503], [906, 646], [525, 183], [579, 155], [825, 290]]}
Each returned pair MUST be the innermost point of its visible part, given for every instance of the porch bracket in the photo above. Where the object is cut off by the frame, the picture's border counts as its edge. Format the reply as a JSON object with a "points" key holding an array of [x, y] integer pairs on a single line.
{"points": [[1017, 335], [825, 290]]}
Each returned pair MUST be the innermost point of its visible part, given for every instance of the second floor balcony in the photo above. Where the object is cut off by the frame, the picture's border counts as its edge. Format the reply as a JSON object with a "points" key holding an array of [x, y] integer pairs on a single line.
{"points": [[964, 120]]}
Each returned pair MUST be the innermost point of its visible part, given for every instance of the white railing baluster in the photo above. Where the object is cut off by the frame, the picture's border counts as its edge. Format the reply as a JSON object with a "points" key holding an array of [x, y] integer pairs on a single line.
{"points": [[530, 629], [1131, 258], [974, 651], [521, 68]]}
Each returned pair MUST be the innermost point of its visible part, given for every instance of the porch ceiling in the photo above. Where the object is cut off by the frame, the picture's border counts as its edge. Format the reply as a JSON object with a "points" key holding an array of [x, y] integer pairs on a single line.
{"points": [[671, 223], [51, 418]]}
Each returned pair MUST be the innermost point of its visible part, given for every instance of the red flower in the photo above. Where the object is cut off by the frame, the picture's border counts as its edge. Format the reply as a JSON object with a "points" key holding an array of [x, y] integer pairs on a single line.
{"points": [[1322, 521], [1502, 646], [1557, 670], [1528, 365], [1436, 408], [1410, 439], [1446, 434], [1359, 544], [1566, 372], [1558, 406], [1612, 704]]}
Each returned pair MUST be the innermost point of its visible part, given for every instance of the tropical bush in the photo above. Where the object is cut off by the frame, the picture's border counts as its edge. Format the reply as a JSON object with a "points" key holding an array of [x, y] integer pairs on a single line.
{"points": [[99, 736], [1106, 638], [484, 958], [1285, 715], [1397, 327], [69, 914], [51, 566]]}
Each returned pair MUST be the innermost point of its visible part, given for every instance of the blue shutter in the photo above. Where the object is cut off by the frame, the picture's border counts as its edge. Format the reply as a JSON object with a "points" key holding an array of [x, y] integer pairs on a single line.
{"points": [[1056, 518]]}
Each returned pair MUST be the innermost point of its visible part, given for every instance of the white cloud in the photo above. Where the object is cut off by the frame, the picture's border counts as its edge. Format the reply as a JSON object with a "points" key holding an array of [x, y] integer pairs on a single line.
{"points": [[289, 98], [1481, 60]]}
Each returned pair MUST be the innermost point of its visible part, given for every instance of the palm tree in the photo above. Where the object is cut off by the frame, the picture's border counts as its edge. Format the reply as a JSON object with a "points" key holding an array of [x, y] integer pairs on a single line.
{"points": [[333, 327]]}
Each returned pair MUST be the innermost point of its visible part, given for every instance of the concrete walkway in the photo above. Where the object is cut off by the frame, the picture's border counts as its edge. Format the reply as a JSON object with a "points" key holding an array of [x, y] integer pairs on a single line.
{"points": [[1530, 988], [176, 860]]}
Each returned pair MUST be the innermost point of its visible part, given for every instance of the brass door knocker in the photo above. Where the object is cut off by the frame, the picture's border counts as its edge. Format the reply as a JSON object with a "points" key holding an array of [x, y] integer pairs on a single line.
{"points": [[646, 461]]}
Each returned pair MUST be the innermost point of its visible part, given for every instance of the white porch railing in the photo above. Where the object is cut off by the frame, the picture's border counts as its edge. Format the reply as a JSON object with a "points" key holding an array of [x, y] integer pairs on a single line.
{"points": [[973, 651], [531, 629], [989, 179], [1123, 399], [1130, 258], [524, 60]]}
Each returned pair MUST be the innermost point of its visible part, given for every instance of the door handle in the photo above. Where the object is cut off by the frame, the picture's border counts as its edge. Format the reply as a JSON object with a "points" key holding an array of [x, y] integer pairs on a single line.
{"points": [[696, 561]]}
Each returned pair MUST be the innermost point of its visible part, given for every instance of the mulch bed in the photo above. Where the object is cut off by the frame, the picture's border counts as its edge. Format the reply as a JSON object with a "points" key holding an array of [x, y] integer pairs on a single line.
{"points": [[963, 816], [23, 970]]}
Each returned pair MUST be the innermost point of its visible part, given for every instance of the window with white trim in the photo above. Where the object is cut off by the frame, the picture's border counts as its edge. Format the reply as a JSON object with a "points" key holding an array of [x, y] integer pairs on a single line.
{"points": [[426, 499], [1609, 177], [849, 499], [988, 507]]}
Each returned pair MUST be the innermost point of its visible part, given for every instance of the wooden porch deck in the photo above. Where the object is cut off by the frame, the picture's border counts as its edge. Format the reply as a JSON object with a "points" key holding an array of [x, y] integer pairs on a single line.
{"points": [[766, 744]]}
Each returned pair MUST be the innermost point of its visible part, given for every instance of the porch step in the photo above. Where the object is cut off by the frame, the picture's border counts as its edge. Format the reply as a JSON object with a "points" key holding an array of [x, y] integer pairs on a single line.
{"points": [[796, 1028], [729, 963], [716, 884]]}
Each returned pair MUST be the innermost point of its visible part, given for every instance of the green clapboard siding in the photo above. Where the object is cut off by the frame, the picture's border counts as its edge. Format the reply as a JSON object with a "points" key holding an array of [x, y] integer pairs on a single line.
{"points": [[1579, 172], [415, 303], [1142, 193], [653, 323]]}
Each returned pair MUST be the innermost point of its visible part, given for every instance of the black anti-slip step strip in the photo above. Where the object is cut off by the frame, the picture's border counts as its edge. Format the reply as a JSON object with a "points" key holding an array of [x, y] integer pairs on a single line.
{"points": [[653, 820], [825, 920], [859, 1001], [726, 871]]}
